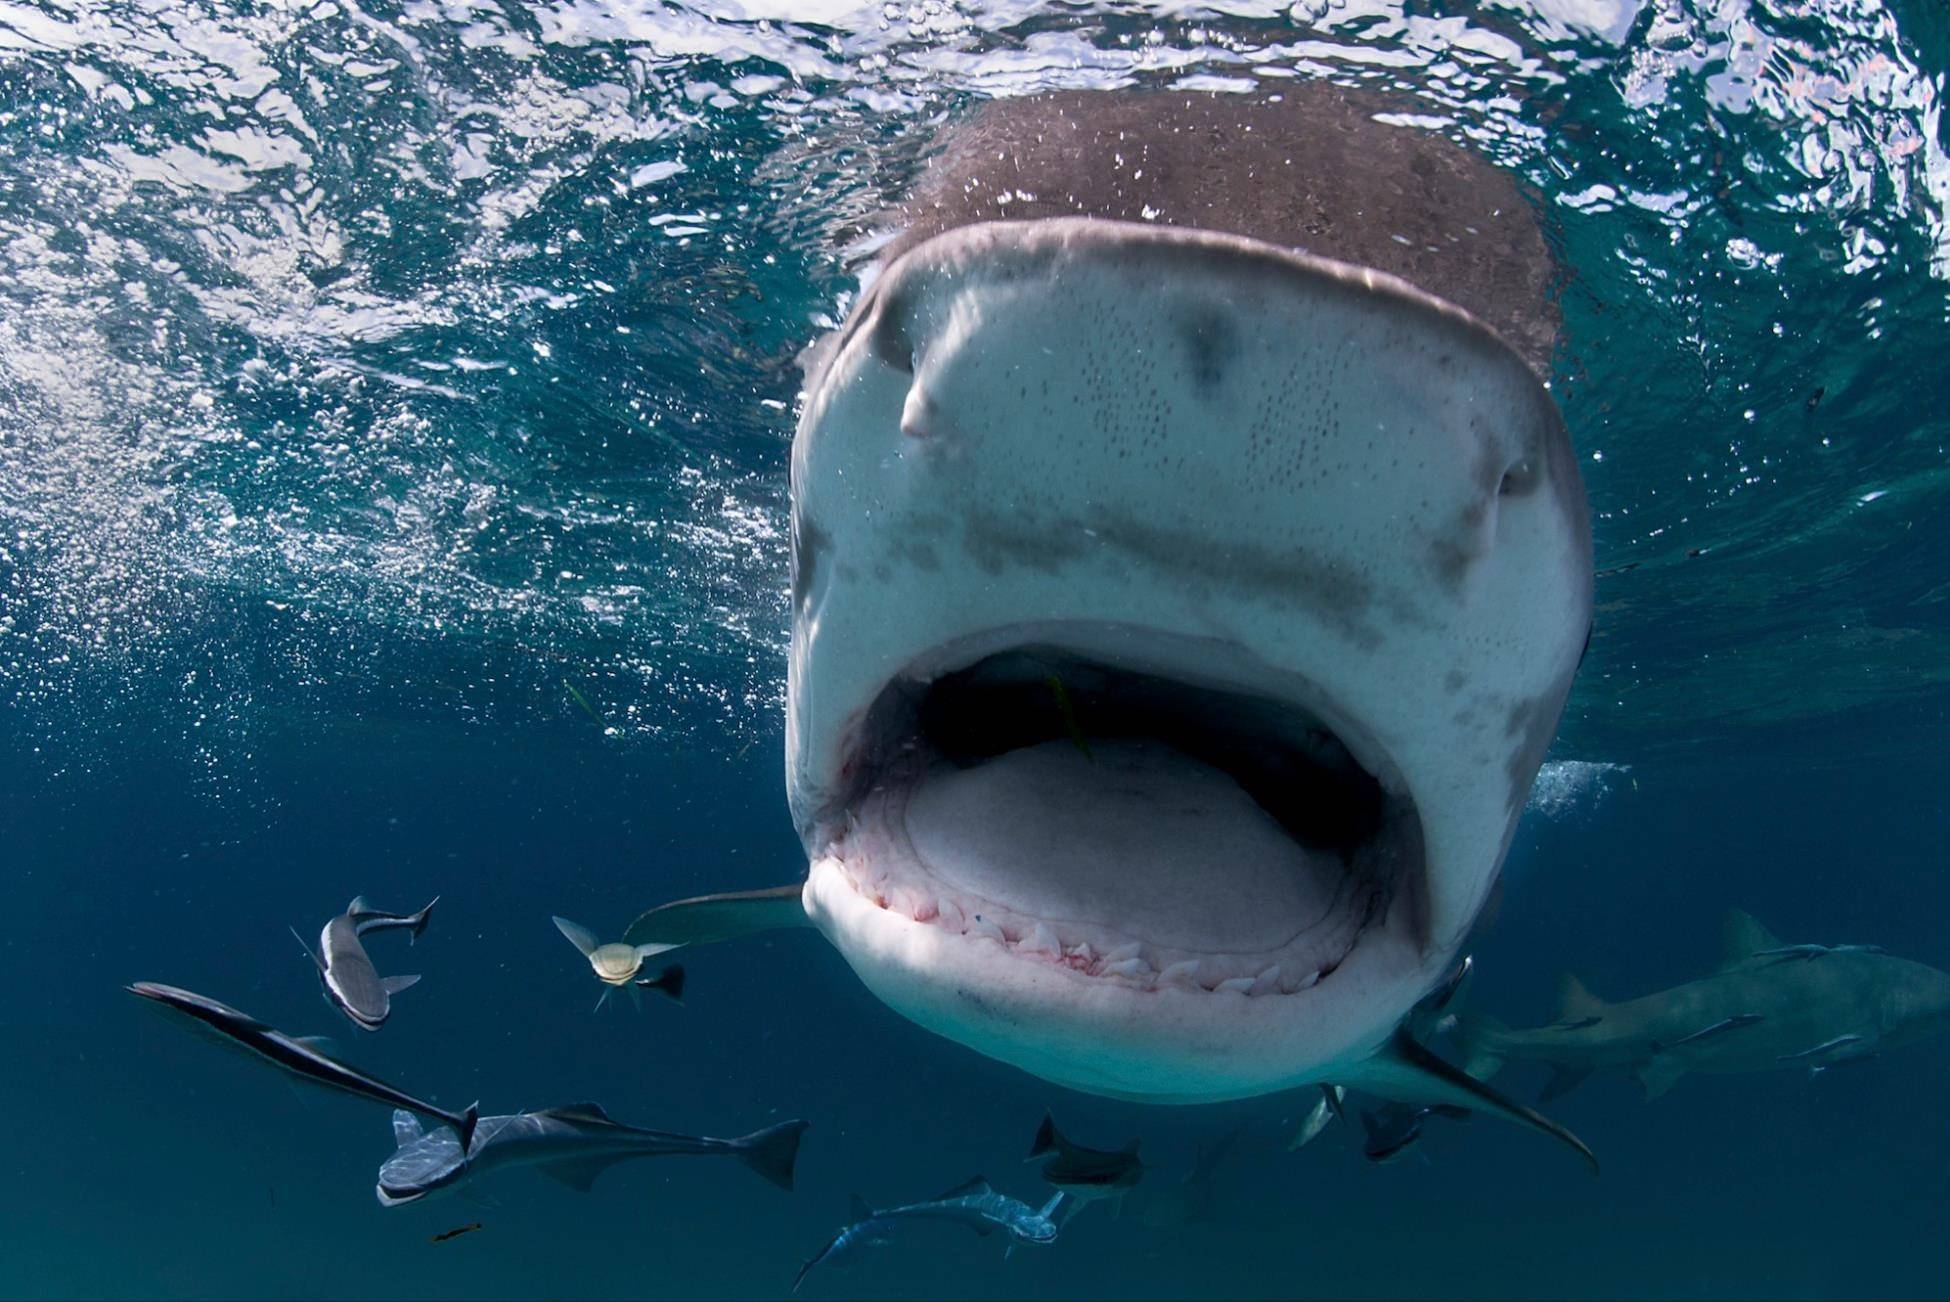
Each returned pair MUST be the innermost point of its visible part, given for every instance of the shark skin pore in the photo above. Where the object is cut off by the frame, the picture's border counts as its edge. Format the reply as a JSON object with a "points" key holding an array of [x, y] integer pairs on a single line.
{"points": [[1183, 599], [1769, 1006]]}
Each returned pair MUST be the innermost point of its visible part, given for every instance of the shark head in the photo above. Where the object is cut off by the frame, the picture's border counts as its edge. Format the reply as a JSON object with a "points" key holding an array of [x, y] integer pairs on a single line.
{"points": [[1179, 621]]}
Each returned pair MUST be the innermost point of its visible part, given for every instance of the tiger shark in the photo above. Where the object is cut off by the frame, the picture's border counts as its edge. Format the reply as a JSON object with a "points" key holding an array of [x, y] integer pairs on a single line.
{"points": [[1189, 569], [1768, 1007]]}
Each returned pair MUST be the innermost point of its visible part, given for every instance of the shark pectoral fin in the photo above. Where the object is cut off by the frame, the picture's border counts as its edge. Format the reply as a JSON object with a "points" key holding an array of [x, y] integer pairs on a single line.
{"points": [[1563, 1080], [1660, 1073], [406, 1127], [395, 984], [725, 916], [579, 1173], [581, 937], [1403, 1070]]}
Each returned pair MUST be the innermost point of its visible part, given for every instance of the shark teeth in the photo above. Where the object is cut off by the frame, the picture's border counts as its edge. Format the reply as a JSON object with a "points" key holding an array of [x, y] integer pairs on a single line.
{"points": [[926, 903], [1041, 940], [1183, 974]]}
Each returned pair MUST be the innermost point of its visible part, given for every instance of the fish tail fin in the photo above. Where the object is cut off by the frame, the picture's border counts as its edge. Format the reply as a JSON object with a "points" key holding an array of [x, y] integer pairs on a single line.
{"points": [[420, 920], [773, 1151], [1048, 1139], [670, 981], [468, 1120]]}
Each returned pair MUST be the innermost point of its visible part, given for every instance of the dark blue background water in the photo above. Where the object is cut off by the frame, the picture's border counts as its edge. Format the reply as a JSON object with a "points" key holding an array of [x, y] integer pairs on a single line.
{"points": [[360, 392]]}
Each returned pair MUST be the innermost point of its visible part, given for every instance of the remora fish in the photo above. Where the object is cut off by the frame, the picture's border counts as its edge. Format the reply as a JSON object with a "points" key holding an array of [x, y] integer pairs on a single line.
{"points": [[351, 983], [574, 1144], [1087, 1174], [972, 1203], [1395, 1128], [297, 1055], [1758, 1012], [1322, 620], [616, 965], [1329, 1107]]}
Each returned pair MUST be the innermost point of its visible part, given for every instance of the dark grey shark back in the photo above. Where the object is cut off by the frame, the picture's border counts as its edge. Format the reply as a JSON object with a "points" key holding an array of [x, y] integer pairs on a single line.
{"points": [[1301, 169], [294, 1055]]}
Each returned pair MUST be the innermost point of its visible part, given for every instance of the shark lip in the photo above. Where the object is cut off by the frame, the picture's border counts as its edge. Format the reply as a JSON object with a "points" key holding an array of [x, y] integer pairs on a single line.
{"points": [[1128, 819]]}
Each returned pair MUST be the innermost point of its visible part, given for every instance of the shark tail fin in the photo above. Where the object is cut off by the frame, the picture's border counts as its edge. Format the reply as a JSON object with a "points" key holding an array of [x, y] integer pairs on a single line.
{"points": [[1048, 1139], [1574, 1002], [420, 920], [773, 1151]]}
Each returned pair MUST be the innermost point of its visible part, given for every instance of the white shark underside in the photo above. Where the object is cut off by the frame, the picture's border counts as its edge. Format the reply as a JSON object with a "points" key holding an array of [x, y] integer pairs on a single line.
{"points": [[1179, 622]]}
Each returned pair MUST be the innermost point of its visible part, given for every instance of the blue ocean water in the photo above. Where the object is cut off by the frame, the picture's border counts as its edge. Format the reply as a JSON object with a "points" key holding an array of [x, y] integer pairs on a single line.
{"points": [[394, 411]]}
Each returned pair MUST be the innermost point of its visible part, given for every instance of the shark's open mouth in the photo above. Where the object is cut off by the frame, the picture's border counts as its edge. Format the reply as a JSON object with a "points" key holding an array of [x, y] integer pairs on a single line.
{"points": [[1129, 827]]}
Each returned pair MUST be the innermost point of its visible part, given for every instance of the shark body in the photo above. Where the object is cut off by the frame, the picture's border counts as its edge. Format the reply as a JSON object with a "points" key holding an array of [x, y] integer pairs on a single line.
{"points": [[1767, 1007], [1186, 584]]}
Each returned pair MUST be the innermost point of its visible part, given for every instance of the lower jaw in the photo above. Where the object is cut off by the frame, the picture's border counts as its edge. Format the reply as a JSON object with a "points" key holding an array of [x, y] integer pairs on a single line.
{"points": [[1153, 1041]]}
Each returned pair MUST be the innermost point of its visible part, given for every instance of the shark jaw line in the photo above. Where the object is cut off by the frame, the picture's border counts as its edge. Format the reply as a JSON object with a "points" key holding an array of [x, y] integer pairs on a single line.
{"points": [[1082, 833]]}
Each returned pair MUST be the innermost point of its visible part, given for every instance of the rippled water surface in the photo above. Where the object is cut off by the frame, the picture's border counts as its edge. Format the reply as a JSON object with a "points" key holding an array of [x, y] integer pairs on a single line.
{"points": [[394, 410]]}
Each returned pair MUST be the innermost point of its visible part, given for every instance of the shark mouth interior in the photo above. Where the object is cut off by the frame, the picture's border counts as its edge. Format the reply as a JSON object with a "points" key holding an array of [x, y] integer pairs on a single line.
{"points": [[1130, 827]]}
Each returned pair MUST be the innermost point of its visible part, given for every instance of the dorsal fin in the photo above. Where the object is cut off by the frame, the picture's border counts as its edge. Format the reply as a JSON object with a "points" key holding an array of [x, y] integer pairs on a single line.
{"points": [[358, 905], [588, 1113], [1742, 937], [1574, 1002], [858, 1209], [975, 1184]]}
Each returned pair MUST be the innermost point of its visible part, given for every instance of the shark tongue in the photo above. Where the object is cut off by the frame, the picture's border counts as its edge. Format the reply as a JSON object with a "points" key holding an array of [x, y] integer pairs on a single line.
{"points": [[1134, 840]]}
